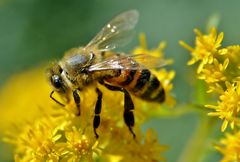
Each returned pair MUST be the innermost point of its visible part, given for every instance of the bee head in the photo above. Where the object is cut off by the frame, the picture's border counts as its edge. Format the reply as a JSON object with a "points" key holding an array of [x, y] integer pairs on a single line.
{"points": [[55, 79]]}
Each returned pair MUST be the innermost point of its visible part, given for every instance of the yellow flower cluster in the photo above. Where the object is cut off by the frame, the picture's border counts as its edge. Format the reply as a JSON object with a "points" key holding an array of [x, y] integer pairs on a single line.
{"points": [[219, 67], [230, 147], [44, 131]]}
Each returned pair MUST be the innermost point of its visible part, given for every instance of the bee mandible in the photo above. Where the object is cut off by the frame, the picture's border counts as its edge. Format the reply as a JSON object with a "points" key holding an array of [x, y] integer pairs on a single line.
{"points": [[129, 74]]}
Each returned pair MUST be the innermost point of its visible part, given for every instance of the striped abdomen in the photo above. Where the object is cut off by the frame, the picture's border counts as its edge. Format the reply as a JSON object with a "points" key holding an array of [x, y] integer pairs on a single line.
{"points": [[141, 83]]}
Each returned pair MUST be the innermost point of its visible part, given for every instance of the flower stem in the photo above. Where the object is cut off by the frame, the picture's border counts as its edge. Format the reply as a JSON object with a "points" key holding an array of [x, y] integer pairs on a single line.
{"points": [[194, 150]]}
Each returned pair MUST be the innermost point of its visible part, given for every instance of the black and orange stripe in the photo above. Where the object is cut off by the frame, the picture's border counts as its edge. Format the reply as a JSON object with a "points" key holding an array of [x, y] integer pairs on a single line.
{"points": [[141, 83]]}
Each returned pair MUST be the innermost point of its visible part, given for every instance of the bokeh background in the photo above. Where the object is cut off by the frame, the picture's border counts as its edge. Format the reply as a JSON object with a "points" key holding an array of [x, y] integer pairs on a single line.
{"points": [[33, 32]]}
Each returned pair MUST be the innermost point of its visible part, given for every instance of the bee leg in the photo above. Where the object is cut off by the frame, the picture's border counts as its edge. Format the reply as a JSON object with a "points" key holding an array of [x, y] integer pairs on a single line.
{"points": [[77, 101], [128, 112], [96, 120], [128, 106]]}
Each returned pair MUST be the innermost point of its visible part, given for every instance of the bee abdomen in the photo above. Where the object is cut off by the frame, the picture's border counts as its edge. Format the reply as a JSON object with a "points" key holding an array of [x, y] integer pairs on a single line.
{"points": [[142, 80], [148, 87], [141, 83], [153, 90]]}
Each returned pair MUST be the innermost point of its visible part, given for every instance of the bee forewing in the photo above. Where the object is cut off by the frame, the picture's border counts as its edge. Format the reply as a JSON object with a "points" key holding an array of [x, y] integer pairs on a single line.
{"points": [[149, 61], [117, 32], [133, 62]]}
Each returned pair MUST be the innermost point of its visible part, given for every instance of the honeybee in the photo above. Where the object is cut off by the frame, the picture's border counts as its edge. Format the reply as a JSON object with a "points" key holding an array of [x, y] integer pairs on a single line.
{"points": [[128, 74]]}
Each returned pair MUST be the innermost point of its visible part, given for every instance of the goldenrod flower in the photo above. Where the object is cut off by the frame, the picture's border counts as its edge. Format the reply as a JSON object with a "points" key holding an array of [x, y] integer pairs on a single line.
{"points": [[36, 142], [206, 48], [230, 147], [45, 131], [219, 69], [143, 48], [139, 150], [214, 72], [233, 53], [79, 146], [26, 92], [229, 105]]}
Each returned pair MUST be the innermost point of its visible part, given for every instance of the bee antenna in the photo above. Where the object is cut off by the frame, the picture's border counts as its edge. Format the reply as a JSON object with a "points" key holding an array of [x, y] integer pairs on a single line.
{"points": [[51, 96]]}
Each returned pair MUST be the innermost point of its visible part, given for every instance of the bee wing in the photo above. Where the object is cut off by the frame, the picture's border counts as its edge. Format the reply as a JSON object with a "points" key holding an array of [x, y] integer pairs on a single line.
{"points": [[117, 32], [133, 62]]}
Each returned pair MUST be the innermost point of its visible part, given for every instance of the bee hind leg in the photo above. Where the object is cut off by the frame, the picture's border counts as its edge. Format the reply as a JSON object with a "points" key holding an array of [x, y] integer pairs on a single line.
{"points": [[128, 106], [128, 112], [98, 107], [77, 101]]}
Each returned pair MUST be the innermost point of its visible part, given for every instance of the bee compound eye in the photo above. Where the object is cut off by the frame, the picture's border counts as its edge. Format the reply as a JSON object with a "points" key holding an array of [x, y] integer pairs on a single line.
{"points": [[56, 81]]}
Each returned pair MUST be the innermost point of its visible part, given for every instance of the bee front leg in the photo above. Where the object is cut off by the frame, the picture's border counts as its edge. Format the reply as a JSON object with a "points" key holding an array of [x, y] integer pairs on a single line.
{"points": [[77, 101], [98, 107], [54, 99], [128, 106]]}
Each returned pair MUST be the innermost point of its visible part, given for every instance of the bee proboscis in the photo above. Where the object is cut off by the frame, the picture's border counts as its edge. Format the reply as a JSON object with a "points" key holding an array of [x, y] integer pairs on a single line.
{"points": [[129, 74]]}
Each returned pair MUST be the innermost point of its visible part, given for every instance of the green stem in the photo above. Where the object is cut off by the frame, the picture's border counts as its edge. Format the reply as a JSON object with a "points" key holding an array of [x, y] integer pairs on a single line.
{"points": [[194, 150]]}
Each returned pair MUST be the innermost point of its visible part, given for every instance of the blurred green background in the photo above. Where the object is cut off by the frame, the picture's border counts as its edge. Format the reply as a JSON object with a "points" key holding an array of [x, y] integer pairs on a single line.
{"points": [[36, 31]]}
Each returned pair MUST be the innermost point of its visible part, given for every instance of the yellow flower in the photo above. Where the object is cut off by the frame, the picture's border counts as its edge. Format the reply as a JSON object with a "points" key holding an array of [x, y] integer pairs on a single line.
{"points": [[206, 47], [233, 53], [36, 142], [219, 69], [27, 92], [214, 72], [80, 146], [215, 61], [230, 147], [143, 48], [46, 131], [139, 150], [229, 105]]}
